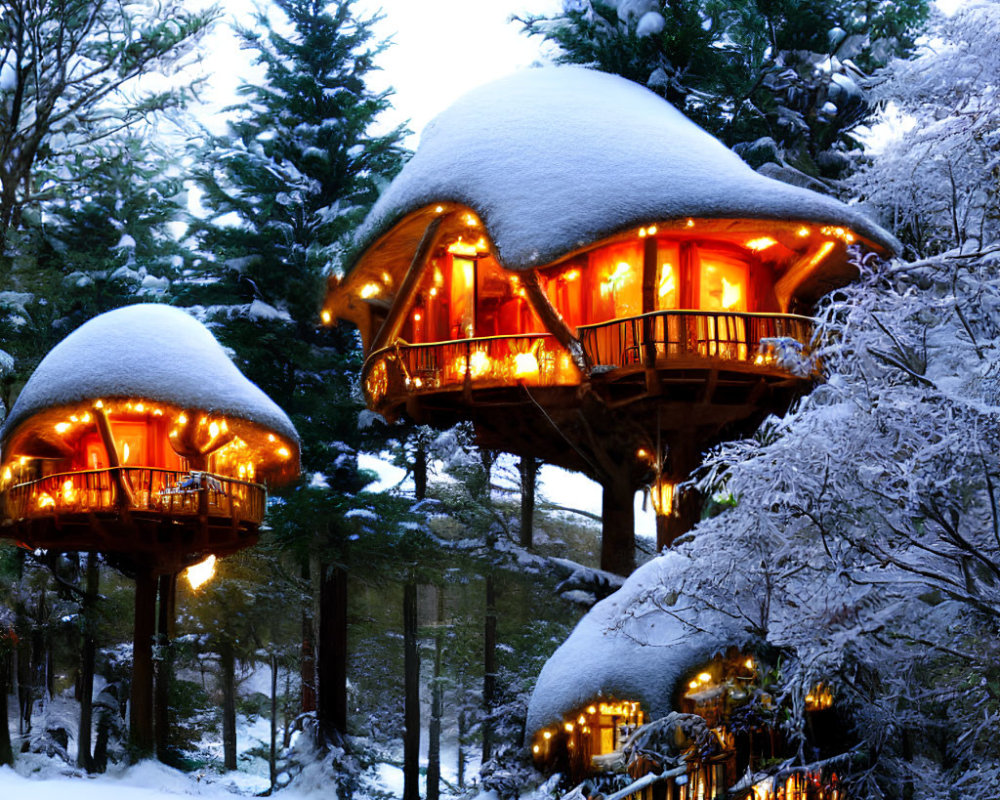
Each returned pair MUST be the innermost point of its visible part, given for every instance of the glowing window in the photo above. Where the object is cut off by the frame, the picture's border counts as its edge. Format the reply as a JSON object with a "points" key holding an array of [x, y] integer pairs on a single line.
{"points": [[722, 282]]}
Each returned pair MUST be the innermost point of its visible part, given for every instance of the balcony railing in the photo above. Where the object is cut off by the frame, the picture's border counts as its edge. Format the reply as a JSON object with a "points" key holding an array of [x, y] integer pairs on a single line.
{"points": [[491, 361], [778, 340], [176, 494]]}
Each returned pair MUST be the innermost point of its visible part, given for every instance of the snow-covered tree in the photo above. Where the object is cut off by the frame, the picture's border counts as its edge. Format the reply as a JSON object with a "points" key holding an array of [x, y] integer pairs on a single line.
{"points": [[861, 533], [775, 79], [285, 187], [69, 77], [937, 182]]}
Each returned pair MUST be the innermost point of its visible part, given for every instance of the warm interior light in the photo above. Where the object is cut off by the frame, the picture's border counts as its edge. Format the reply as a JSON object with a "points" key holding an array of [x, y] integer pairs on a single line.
{"points": [[479, 364], [270, 437], [689, 223], [803, 231], [85, 418], [546, 735], [6, 473], [569, 727], [438, 209], [525, 365], [45, 500], [284, 452], [199, 574], [369, 290], [641, 453], [662, 495], [651, 230], [140, 407], [182, 420], [460, 248], [732, 293], [536, 749], [68, 492], [99, 404], [591, 709], [704, 677], [642, 233], [62, 427], [668, 284], [571, 275], [748, 663], [470, 220], [761, 243], [325, 316], [693, 685], [213, 429]]}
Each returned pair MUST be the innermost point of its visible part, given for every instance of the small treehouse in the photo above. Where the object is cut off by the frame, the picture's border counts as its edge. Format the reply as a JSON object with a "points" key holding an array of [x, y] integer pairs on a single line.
{"points": [[138, 438], [593, 281], [705, 696]]}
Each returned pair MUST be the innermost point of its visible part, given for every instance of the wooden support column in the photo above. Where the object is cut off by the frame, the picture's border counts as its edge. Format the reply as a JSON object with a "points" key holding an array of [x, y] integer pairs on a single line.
{"points": [[553, 321], [166, 624], [125, 497], [407, 289], [683, 457], [141, 703], [618, 525]]}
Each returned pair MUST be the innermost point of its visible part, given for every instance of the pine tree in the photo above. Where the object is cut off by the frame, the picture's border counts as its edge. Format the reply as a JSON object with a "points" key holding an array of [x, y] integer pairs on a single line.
{"points": [[285, 188], [68, 79], [774, 79]]}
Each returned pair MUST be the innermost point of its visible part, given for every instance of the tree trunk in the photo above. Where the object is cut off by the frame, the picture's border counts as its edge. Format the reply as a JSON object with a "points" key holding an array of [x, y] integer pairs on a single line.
{"points": [[88, 655], [411, 704], [437, 708], [489, 667], [460, 767], [6, 751], [420, 468], [307, 663], [331, 672], [25, 693], [529, 474], [165, 664], [141, 717], [618, 527], [227, 663], [272, 759]]}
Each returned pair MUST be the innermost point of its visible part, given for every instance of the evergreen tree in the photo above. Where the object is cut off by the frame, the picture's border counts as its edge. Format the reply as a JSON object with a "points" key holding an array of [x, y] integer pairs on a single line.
{"points": [[68, 79], [774, 79], [285, 188]]}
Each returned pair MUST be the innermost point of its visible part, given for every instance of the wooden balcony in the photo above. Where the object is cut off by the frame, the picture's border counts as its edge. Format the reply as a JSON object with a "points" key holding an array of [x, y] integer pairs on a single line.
{"points": [[88, 511], [773, 344], [674, 339], [393, 374]]}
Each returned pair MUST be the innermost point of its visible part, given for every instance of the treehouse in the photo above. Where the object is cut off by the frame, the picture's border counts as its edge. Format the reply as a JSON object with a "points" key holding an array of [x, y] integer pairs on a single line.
{"points": [[594, 281], [137, 437], [621, 694]]}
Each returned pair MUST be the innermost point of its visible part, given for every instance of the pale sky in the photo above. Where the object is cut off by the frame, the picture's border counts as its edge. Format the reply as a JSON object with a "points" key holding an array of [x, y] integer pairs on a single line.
{"points": [[440, 50]]}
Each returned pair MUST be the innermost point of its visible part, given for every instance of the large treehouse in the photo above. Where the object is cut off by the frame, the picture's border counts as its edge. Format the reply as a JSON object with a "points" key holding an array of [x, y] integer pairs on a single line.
{"points": [[594, 281], [138, 438], [698, 676]]}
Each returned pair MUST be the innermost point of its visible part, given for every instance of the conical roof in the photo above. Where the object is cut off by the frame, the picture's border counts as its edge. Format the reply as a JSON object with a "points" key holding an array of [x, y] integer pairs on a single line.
{"points": [[149, 351], [553, 159], [629, 648]]}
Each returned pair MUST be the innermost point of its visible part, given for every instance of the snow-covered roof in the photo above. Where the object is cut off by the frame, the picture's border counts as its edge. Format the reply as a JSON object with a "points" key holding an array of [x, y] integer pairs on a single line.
{"points": [[148, 351], [555, 158], [632, 647]]}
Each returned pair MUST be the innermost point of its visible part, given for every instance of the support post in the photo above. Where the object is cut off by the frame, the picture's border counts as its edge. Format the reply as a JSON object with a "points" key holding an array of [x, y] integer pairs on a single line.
{"points": [[618, 526], [165, 664], [141, 705]]}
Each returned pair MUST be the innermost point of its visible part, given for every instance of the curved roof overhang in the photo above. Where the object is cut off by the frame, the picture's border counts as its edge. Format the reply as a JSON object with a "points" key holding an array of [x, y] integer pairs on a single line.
{"points": [[146, 352], [556, 159], [629, 646]]}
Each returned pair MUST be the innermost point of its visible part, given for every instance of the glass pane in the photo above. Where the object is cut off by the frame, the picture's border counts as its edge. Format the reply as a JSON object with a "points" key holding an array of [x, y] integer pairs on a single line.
{"points": [[667, 275], [722, 282]]}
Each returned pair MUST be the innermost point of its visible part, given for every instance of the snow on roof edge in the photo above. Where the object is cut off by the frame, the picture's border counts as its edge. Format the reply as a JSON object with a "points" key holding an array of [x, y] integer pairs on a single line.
{"points": [[556, 158], [614, 651], [146, 350]]}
